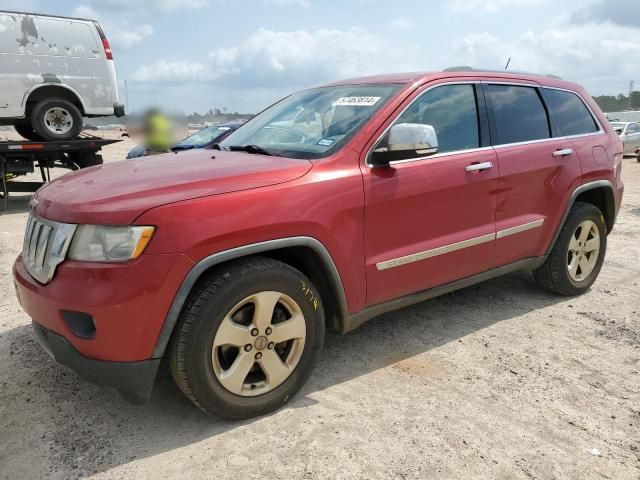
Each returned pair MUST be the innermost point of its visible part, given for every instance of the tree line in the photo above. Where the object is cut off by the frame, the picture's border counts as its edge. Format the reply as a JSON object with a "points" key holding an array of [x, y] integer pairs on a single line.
{"points": [[609, 103]]}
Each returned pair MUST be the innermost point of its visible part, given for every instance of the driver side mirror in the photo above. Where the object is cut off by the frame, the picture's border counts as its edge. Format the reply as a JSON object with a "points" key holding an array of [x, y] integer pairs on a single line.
{"points": [[405, 141]]}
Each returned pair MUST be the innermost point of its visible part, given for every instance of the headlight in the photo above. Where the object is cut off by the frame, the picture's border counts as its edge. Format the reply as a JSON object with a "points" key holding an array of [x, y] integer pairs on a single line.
{"points": [[96, 243]]}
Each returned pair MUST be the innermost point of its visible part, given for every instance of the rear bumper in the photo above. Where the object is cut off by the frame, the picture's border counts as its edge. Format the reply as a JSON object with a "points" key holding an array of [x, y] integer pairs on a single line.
{"points": [[118, 109], [134, 380]]}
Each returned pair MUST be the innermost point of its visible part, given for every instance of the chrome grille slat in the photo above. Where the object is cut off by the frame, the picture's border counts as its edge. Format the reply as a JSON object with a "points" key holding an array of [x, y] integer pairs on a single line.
{"points": [[45, 246], [41, 246], [33, 241]]}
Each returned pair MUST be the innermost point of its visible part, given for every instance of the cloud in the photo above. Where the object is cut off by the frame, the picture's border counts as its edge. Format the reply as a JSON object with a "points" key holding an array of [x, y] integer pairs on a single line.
{"points": [[488, 5], [120, 34], [403, 23], [622, 12], [174, 73], [147, 6], [602, 57], [307, 58], [286, 3]]}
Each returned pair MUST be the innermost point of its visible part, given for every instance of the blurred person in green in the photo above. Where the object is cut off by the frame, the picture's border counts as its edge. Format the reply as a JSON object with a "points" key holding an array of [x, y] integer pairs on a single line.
{"points": [[158, 132]]}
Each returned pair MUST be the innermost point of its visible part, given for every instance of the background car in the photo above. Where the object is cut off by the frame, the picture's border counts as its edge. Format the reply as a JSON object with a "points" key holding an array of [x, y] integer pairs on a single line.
{"points": [[630, 134], [201, 139]]}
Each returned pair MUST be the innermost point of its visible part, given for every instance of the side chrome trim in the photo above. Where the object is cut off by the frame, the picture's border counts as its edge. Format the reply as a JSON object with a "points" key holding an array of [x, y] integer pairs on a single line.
{"points": [[434, 252], [199, 268], [452, 247], [519, 228]]}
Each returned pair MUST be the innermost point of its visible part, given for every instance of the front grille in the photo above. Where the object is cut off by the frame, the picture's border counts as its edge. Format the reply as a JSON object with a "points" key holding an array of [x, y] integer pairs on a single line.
{"points": [[45, 246]]}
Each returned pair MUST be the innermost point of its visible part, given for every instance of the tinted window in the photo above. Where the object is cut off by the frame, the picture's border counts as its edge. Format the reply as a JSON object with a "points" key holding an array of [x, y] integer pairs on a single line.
{"points": [[570, 115], [451, 111], [519, 114]]}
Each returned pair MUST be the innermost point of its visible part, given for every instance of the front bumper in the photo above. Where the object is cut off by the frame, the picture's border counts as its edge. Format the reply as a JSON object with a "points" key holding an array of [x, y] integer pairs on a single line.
{"points": [[118, 110], [127, 303], [134, 380]]}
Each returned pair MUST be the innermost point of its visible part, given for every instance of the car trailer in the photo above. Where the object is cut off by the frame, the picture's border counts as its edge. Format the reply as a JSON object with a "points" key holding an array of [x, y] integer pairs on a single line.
{"points": [[19, 158]]}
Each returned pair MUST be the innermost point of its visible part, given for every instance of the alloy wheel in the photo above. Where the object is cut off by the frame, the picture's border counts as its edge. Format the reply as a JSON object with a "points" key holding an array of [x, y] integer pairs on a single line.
{"points": [[259, 343], [584, 248]]}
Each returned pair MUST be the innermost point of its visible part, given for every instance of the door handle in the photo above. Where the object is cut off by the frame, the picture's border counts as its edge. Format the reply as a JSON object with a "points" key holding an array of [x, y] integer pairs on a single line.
{"points": [[562, 153], [474, 167]]}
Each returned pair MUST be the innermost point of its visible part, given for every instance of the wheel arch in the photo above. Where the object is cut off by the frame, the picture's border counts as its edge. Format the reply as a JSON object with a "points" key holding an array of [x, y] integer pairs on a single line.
{"points": [[50, 90], [306, 254], [600, 194]]}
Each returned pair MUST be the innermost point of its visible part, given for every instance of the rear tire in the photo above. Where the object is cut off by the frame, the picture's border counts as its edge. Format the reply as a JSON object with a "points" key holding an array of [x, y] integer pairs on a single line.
{"points": [[26, 131], [248, 338], [577, 256], [56, 119]]}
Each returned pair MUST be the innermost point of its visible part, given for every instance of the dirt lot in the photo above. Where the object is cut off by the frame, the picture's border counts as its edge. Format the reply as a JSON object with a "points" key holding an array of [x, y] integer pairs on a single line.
{"points": [[499, 380]]}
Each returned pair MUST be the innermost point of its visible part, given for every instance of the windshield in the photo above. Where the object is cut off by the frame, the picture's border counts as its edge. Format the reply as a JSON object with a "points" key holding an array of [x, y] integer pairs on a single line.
{"points": [[204, 136], [312, 123]]}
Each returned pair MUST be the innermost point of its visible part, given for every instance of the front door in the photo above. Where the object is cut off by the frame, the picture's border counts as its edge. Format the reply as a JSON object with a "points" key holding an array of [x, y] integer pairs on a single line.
{"points": [[429, 221]]}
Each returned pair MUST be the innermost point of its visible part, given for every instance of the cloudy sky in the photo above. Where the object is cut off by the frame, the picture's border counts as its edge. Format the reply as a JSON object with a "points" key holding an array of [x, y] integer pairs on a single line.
{"points": [[195, 55]]}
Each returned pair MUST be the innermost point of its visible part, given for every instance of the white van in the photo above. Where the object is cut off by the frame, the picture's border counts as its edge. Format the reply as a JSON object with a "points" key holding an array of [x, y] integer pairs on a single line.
{"points": [[53, 72]]}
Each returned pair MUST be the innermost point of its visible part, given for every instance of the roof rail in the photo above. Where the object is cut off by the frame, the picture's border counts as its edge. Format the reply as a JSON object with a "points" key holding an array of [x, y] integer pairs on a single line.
{"points": [[466, 68]]}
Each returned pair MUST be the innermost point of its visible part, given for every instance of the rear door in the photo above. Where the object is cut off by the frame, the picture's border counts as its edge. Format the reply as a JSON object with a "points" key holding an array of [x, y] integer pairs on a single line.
{"points": [[430, 220], [537, 170]]}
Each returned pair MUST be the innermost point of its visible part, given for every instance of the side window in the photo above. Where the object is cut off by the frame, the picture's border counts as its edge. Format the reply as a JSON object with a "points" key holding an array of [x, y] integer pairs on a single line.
{"points": [[519, 114], [633, 128], [451, 110], [569, 113]]}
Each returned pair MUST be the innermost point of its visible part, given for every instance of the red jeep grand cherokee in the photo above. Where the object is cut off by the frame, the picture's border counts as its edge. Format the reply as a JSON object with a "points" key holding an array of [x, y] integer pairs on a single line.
{"points": [[332, 206]]}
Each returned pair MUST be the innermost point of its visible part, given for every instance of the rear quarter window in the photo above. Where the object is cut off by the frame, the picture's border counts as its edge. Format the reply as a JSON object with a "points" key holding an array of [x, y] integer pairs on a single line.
{"points": [[569, 114], [519, 115], [50, 37]]}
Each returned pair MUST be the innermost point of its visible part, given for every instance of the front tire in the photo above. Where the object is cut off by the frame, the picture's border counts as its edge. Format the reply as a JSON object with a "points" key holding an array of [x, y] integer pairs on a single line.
{"points": [[248, 338], [577, 256], [56, 119]]}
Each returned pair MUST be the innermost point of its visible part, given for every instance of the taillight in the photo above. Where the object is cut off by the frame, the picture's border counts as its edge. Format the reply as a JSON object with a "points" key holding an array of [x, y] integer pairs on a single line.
{"points": [[107, 49]]}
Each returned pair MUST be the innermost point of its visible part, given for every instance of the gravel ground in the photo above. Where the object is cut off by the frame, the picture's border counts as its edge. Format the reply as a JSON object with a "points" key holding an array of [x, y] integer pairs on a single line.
{"points": [[500, 380]]}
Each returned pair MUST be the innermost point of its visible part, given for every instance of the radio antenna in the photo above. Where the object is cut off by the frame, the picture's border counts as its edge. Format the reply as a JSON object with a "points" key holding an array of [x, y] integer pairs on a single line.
{"points": [[506, 67]]}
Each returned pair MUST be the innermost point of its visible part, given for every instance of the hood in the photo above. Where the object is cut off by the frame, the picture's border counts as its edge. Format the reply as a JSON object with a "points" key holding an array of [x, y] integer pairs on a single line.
{"points": [[117, 193]]}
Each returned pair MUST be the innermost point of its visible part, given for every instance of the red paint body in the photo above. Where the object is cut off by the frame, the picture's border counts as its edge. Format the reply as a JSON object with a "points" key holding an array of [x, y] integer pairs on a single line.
{"points": [[202, 205]]}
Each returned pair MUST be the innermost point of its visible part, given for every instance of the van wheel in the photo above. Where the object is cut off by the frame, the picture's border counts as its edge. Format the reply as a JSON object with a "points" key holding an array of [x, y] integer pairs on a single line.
{"points": [[26, 131], [577, 256], [56, 119], [248, 338]]}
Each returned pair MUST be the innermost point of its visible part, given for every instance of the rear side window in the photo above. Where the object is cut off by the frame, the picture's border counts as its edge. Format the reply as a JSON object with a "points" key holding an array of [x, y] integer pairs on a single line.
{"points": [[633, 128], [451, 110], [569, 114], [519, 114], [23, 34]]}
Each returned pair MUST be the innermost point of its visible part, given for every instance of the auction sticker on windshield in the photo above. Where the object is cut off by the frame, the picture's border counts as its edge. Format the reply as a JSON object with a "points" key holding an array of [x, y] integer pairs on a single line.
{"points": [[356, 101]]}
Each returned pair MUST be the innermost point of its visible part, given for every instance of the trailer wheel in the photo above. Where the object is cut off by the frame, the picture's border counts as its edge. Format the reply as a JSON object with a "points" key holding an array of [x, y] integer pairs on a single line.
{"points": [[26, 131], [56, 119]]}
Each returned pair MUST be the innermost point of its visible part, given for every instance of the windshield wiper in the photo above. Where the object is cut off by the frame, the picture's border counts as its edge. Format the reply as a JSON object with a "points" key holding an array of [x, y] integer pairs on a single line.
{"points": [[252, 149]]}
